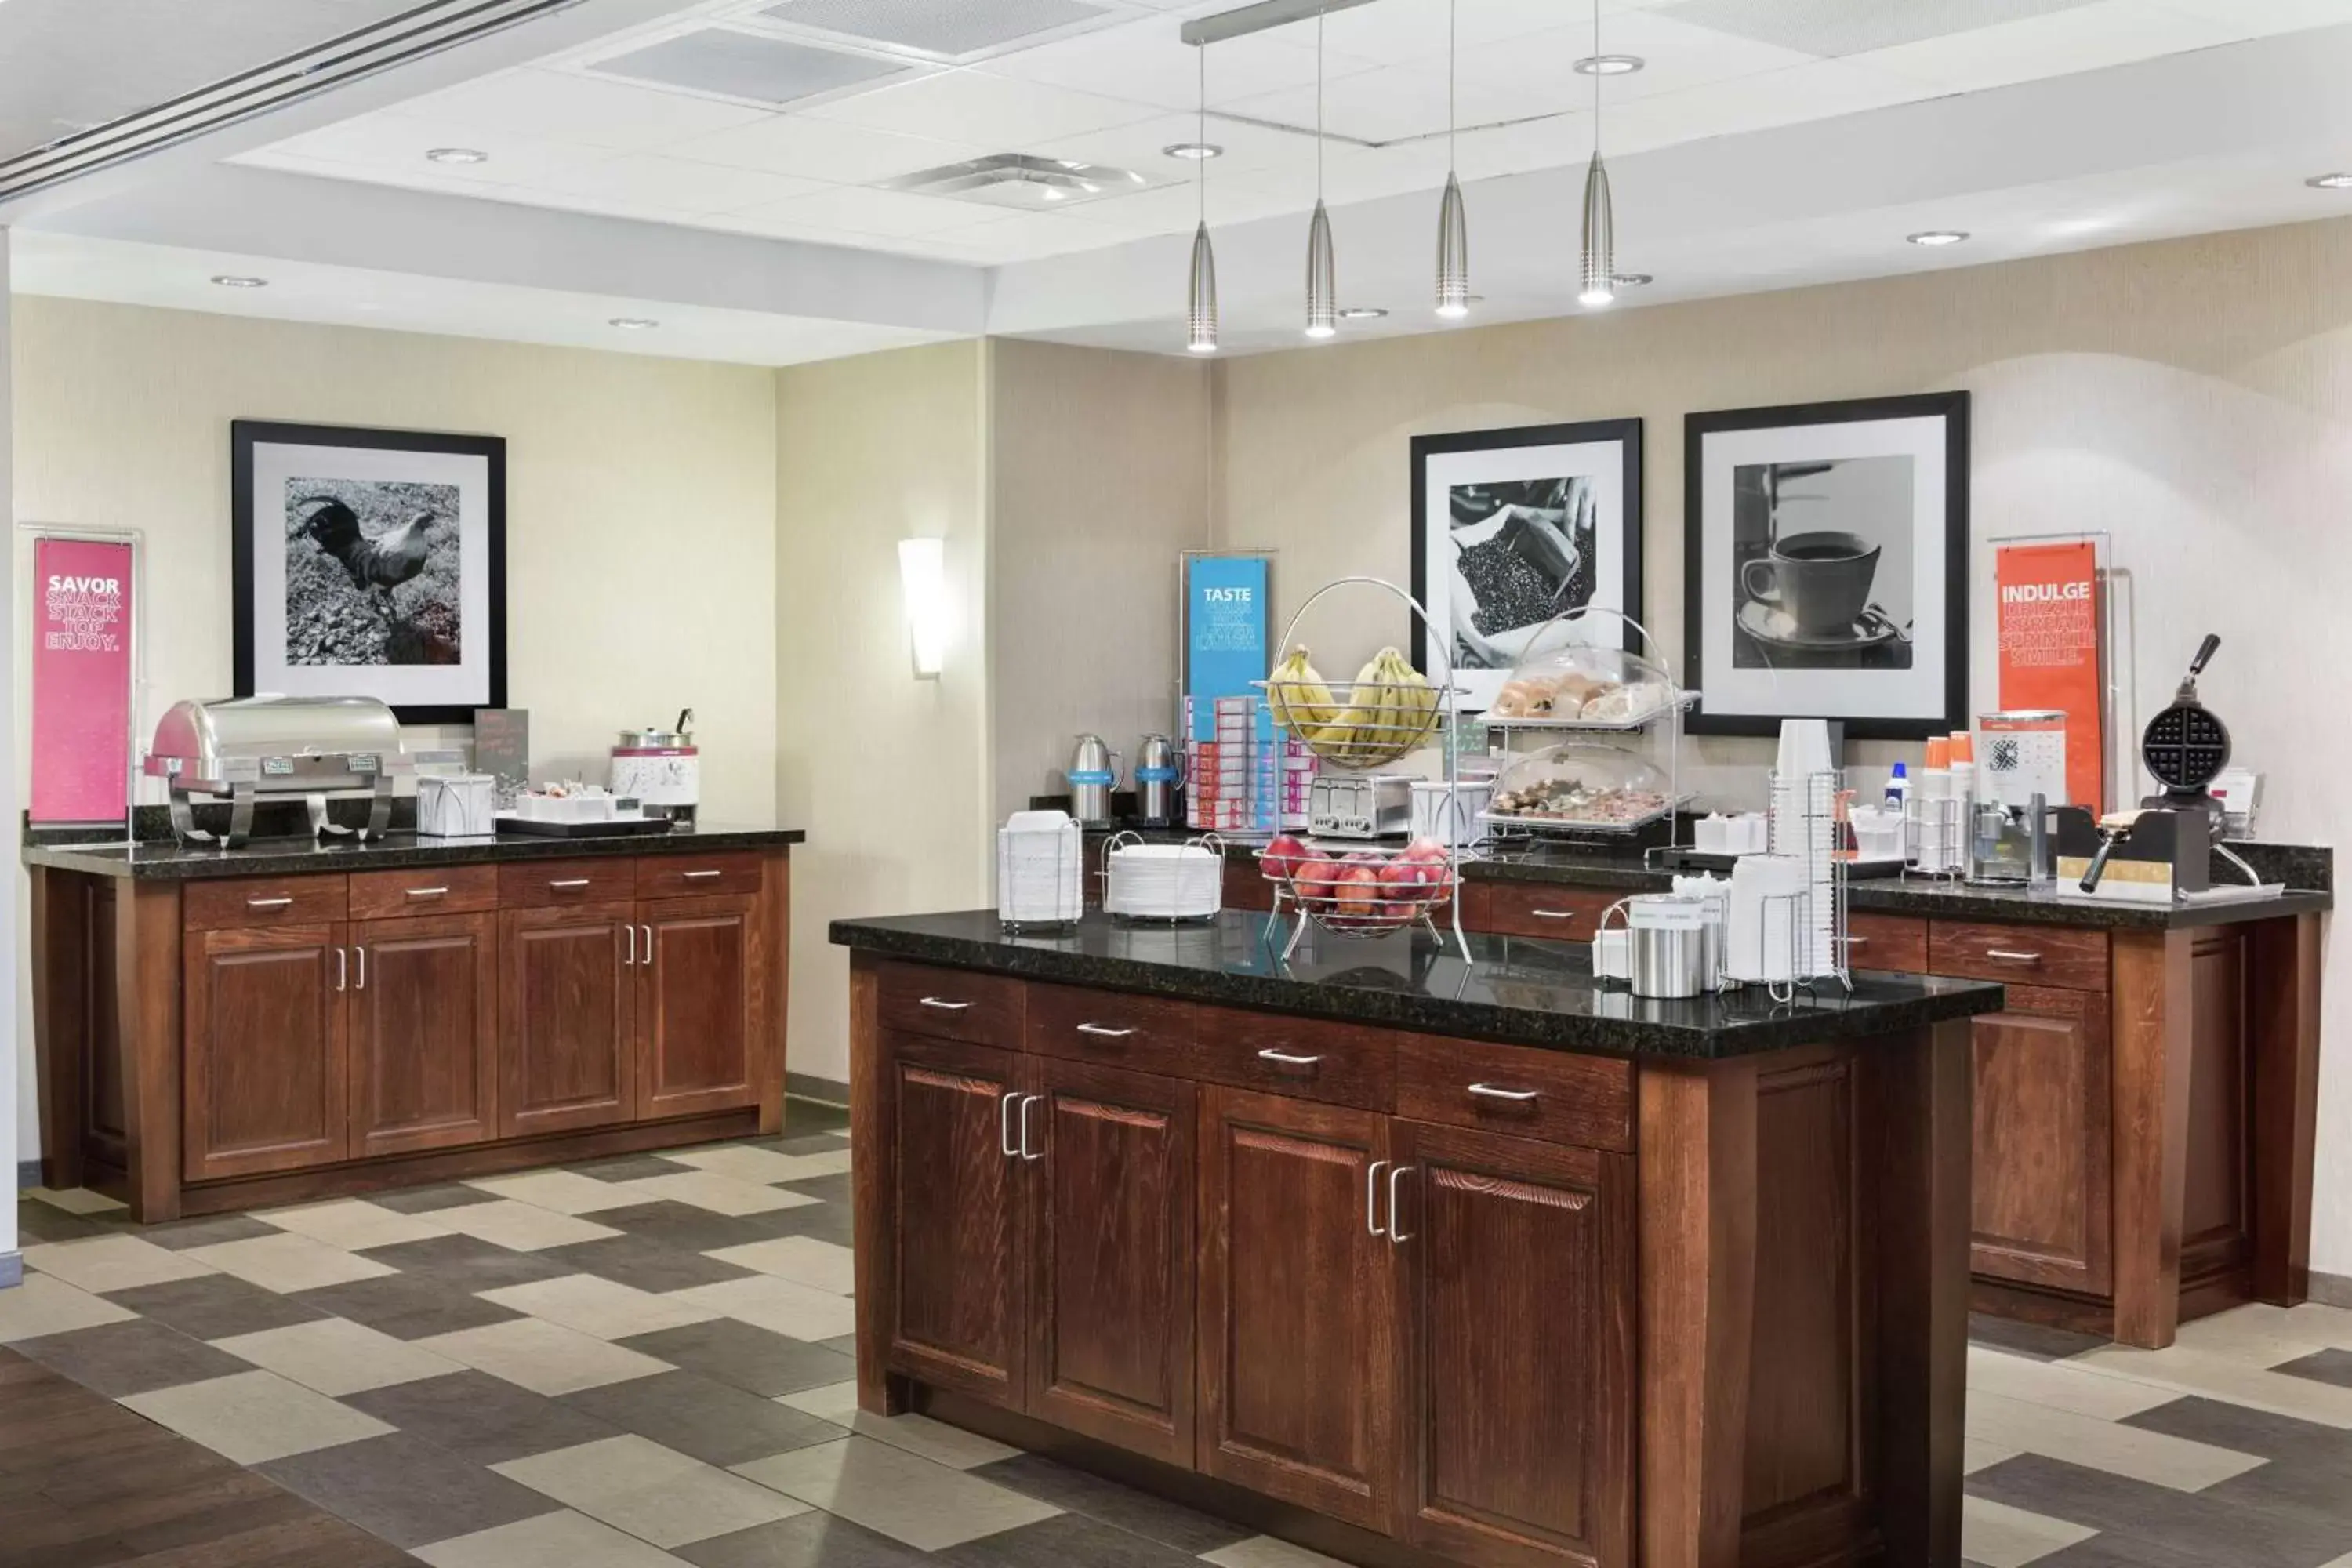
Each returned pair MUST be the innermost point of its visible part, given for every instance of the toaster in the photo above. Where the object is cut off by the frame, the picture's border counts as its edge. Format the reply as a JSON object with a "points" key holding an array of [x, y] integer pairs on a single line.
{"points": [[1362, 805]]}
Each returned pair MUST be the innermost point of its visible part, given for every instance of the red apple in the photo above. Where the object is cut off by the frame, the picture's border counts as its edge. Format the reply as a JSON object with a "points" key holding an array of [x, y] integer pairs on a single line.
{"points": [[1315, 879], [1356, 893], [1427, 849], [1281, 858]]}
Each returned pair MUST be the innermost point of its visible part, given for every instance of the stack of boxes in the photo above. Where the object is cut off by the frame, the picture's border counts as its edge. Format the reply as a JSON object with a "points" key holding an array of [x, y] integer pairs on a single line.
{"points": [[1243, 775]]}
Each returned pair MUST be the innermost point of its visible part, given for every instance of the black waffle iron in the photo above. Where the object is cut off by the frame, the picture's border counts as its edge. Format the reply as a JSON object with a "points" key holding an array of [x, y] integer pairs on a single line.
{"points": [[2185, 746]]}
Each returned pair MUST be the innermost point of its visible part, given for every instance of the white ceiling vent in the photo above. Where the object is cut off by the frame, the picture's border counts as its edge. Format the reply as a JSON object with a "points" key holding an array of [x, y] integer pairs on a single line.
{"points": [[948, 27], [1021, 181], [746, 65], [1831, 29]]}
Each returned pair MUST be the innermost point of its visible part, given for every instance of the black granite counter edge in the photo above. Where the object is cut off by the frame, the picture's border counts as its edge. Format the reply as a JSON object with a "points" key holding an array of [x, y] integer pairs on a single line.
{"points": [[277, 858], [1747, 1032]]}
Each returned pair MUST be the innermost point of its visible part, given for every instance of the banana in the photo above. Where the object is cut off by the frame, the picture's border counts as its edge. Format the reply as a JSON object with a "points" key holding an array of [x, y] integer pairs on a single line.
{"points": [[1301, 698]]}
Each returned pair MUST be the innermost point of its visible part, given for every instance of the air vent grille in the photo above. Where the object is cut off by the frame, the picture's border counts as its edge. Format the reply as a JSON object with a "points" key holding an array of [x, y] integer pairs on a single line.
{"points": [[1020, 181], [948, 27], [1831, 29], [746, 65]]}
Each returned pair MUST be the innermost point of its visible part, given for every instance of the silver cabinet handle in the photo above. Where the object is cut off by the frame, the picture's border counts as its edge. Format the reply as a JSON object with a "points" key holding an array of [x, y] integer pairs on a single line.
{"points": [[266, 903], [1027, 1153], [1283, 1058], [1104, 1031], [1488, 1091], [1396, 1230], [567, 881], [1857, 942], [1372, 1196], [361, 983], [1004, 1122], [629, 961], [944, 1006], [2007, 956], [427, 893], [342, 969], [1553, 914], [649, 946], [700, 876]]}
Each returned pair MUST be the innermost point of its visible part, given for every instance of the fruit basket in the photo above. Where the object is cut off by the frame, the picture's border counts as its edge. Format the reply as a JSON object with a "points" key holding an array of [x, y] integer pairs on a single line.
{"points": [[1580, 787], [1358, 890], [1386, 712]]}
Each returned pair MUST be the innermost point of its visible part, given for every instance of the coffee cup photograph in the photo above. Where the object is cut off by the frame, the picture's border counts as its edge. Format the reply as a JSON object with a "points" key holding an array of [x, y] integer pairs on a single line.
{"points": [[1821, 558]]}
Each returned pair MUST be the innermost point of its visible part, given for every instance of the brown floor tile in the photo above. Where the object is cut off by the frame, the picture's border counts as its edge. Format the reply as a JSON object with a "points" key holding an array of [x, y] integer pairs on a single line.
{"points": [[707, 1420], [137, 1357], [758, 1359], [405, 1489], [645, 1263], [482, 1419], [216, 1307], [406, 1308]]}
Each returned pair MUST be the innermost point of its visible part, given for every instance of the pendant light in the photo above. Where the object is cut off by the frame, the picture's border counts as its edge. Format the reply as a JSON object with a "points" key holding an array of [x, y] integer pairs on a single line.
{"points": [[1597, 275], [1322, 289], [1452, 226], [1200, 290]]}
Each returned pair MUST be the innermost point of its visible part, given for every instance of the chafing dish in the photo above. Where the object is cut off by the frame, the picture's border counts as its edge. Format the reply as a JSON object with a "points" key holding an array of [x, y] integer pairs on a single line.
{"points": [[248, 748]]}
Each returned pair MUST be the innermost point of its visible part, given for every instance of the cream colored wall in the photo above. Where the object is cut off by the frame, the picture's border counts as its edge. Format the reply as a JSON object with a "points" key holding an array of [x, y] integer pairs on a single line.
{"points": [[641, 506], [2193, 398], [889, 774], [1099, 480]]}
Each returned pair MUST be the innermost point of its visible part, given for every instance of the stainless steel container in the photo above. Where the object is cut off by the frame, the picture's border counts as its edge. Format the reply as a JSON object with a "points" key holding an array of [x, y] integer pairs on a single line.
{"points": [[1667, 961], [1159, 769], [1093, 773], [253, 747]]}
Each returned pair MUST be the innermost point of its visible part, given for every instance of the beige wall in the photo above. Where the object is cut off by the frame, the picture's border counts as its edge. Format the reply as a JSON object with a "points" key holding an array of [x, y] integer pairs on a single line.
{"points": [[889, 774], [1099, 481], [641, 506], [2192, 397]]}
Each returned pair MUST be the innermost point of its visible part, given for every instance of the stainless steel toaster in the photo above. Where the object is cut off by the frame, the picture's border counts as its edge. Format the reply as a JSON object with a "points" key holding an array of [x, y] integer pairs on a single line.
{"points": [[1360, 805]]}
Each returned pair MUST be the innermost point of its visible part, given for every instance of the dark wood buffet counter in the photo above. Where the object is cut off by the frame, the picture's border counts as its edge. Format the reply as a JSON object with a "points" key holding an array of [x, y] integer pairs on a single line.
{"points": [[1418, 1262], [233, 1029]]}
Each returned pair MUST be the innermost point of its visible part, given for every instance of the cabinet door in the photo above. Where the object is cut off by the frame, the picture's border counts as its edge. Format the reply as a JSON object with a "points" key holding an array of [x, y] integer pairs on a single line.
{"points": [[700, 986], [266, 1076], [1297, 1344], [423, 1046], [952, 1123], [566, 1007], [2040, 1195], [1110, 1305], [1516, 1294]]}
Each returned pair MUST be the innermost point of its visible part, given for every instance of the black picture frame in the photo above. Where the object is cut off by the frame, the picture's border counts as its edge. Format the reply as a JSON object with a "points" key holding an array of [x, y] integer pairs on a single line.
{"points": [[247, 435], [1626, 433], [1953, 409]]}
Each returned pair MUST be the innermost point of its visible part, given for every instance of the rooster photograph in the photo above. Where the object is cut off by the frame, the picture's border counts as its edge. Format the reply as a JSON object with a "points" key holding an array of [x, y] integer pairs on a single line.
{"points": [[372, 573]]}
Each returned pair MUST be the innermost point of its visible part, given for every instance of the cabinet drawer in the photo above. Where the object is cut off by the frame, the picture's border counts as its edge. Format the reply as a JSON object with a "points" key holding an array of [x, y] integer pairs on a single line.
{"points": [[1341, 1064], [950, 1005], [428, 890], [1114, 1026], [540, 884], [2022, 954], [1546, 909], [1550, 1095], [691, 876], [1898, 942], [262, 901]]}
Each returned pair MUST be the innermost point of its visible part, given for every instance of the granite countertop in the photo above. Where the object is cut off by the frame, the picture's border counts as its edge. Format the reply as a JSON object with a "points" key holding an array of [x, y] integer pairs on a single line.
{"points": [[165, 861], [1517, 990]]}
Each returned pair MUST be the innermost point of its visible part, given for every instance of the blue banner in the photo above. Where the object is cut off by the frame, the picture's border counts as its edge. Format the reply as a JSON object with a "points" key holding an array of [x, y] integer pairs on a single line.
{"points": [[1227, 607]]}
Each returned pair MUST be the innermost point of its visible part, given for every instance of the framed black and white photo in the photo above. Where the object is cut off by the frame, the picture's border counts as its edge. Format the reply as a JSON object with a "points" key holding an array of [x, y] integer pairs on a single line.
{"points": [[1825, 566], [370, 563], [1512, 527]]}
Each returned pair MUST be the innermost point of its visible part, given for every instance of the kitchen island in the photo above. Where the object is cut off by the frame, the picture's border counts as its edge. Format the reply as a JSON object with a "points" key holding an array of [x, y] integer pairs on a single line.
{"points": [[234, 1028], [1420, 1262]]}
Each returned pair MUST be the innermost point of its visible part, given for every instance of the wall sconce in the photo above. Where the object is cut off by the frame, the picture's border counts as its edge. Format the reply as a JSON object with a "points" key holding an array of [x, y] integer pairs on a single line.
{"points": [[922, 576]]}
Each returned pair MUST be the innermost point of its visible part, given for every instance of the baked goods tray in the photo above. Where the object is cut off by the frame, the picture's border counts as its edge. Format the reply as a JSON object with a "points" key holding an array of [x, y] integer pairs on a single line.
{"points": [[1511, 822], [616, 828], [1640, 720]]}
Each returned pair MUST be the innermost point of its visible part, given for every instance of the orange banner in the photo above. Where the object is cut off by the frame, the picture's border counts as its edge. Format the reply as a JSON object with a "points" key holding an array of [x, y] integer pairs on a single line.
{"points": [[2048, 649]]}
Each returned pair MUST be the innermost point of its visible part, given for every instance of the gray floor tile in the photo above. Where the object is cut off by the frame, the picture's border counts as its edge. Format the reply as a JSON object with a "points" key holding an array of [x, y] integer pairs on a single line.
{"points": [[216, 1307], [825, 1189], [425, 1200], [2035, 1340], [465, 1264], [758, 1359], [2107, 1550], [707, 1420], [405, 1489], [2209, 1526], [847, 1345], [2225, 1426], [122, 1358], [2325, 1366], [800, 1143], [806, 1116], [38, 1222], [690, 1230], [1136, 1512], [625, 1168], [407, 1307], [481, 1419], [210, 1230], [645, 1263], [810, 1541], [1056, 1542]]}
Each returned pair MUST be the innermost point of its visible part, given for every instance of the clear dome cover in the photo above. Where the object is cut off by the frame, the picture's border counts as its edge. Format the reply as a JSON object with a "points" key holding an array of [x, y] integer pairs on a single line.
{"points": [[1581, 785], [1561, 681]]}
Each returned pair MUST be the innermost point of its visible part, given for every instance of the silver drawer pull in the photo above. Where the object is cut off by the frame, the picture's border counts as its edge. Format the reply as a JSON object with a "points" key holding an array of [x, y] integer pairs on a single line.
{"points": [[1488, 1091], [1026, 1152], [630, 961], [1396, 1226], [1005, 1123], [1372, 1196], [2006, 956], [1857, 942], [567, 881], [266, 903], [700, 876], [1283, 1058], [1104, 1031], [944, 1006], [342, 969], [360, 953], [427, 893], [1553, 914]]}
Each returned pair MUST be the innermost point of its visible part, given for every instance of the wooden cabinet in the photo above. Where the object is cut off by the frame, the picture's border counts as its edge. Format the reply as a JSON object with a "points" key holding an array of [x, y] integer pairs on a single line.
{"points": [[567, 1004], [2042, 1209], [423, 1028], [699, 1004], [265, 1066], [1298, 1337], [1515, 1289], [1557, 912]]}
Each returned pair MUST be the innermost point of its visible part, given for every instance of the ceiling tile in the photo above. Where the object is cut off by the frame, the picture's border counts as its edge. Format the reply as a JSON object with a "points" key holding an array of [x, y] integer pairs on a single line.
{"points": [[965, 105], [735, 63], [1819, 89], [397, 144], [2260, 18], [1021, 236], [860, 211], [563, 107], [813, 149], [2110, 33], [1139, 146], [1146, 63], [678, 185], [1674, 56], [1412, 32]]}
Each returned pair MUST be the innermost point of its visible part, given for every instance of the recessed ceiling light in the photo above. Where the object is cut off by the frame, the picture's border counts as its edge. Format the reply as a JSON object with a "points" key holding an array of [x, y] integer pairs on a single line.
{"points": [[2330, 182], [1193, 151], [1609, 65], [633, 324], [458, 155], [1362, 312], [1932, 237], [1633, 281], [233, 281]]}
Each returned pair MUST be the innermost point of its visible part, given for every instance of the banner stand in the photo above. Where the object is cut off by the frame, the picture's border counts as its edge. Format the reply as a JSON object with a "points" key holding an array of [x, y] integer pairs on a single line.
{"points": [[2050, 563], [86, 681]]}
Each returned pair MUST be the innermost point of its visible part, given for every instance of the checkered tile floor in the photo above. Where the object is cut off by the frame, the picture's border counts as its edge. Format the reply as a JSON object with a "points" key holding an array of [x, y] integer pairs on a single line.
{"points": [[646, 1361]]}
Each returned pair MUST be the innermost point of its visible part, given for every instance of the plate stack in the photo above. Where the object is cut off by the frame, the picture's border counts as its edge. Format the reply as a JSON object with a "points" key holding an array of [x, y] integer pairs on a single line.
{"points": [[1040, 863], [1165, 882]]}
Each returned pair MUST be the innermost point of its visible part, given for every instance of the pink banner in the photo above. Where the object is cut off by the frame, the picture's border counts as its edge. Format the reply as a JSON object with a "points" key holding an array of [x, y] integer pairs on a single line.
{"points": [[81, 681]]}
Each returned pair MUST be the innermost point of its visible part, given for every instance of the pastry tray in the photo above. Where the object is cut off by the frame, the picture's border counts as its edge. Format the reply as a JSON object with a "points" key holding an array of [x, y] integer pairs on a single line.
{"points": [[612, 827], [1510, 822], [1640, 720]]}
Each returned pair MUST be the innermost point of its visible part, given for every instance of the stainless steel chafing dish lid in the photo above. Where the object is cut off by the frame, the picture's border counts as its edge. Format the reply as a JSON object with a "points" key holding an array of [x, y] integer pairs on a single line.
{"points": [[270, 744]]}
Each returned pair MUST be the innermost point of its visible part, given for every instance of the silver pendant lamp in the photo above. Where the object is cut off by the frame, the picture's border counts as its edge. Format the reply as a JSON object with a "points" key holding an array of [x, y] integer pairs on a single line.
{"points": [[1201, 288], [1322, 289], [1452, 226], [1597, 272]]}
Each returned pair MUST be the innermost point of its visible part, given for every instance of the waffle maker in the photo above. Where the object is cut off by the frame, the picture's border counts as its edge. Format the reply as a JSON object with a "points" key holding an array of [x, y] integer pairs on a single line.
{"points": [[2187, 745]]}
